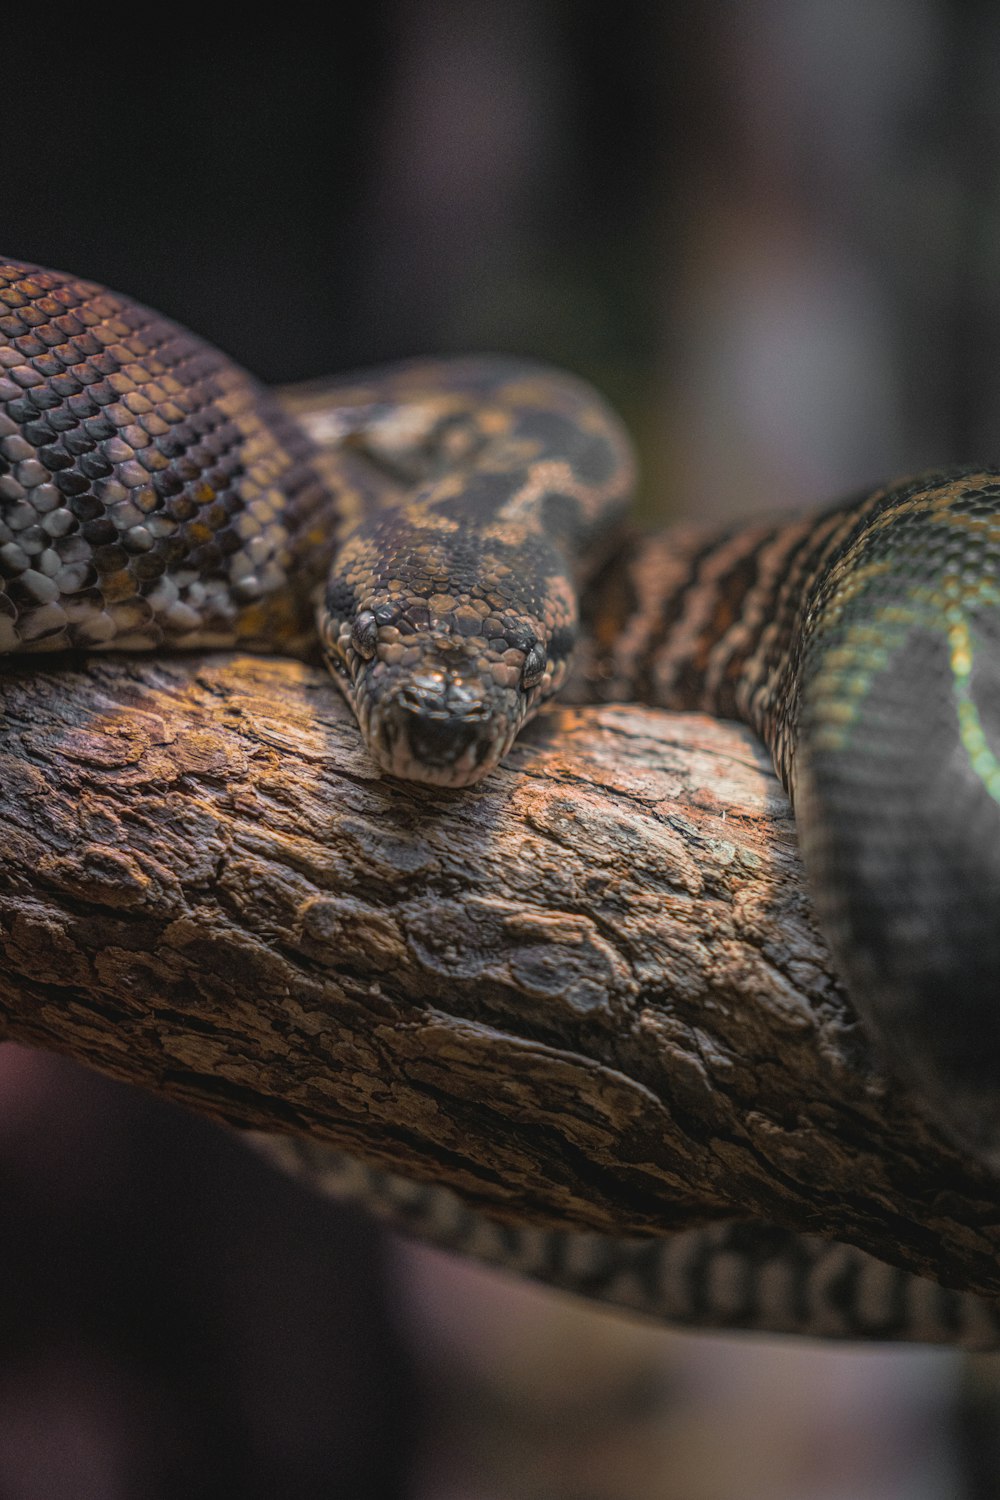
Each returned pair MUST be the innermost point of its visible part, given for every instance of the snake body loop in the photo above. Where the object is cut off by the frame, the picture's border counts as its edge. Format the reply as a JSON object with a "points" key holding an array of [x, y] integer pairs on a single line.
{"points": [[432, 526]]}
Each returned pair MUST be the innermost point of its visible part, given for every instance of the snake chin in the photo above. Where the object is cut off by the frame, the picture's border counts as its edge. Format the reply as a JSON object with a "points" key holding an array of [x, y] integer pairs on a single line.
{"points": [[434, 727], [438, 733], [401, 763]]}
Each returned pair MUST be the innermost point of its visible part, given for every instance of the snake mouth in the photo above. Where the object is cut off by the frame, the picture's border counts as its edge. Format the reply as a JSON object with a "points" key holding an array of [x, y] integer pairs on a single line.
{"points": [[452, 737], [438, 726]]}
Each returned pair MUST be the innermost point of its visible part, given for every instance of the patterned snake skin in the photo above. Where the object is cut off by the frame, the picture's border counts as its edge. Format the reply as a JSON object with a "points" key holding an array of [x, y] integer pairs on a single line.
{"points": [[432, 525]]}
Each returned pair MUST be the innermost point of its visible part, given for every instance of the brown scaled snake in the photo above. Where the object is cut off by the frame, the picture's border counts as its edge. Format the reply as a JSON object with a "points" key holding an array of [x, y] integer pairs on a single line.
{"points": [[434, 526]]}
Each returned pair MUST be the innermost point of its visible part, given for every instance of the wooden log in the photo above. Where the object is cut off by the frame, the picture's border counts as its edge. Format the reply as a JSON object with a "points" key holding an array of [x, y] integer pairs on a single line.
{"points": [[586, 993]]}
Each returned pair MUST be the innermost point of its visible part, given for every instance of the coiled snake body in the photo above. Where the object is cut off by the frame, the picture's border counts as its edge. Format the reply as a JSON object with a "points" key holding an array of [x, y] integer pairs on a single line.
{"points": [[434, 524]]}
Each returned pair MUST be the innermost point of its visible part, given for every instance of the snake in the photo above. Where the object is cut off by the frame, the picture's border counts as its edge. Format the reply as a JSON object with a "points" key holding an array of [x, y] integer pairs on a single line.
{"points": [[450, 536]]}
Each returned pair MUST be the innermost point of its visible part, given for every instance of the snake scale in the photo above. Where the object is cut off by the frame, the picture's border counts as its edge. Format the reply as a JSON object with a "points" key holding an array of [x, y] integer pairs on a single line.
{"points": [[435, 525]]}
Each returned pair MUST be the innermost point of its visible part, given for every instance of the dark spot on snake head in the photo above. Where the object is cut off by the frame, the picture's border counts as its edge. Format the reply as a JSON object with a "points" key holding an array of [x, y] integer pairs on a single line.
{"points": [[340, 599], [416, 617], [364, 634]]}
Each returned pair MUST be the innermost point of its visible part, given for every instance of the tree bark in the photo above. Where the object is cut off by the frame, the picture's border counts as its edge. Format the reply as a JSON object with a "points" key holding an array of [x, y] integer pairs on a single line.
{"points": [[587, 992]]}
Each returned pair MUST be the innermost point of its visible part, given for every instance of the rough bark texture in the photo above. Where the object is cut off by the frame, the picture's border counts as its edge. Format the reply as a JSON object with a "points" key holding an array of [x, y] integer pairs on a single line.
{"points": [[587, 992]]}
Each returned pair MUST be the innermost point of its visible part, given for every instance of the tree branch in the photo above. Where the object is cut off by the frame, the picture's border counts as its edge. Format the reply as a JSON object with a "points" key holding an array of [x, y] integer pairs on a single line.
{"points": [[585, 993]]}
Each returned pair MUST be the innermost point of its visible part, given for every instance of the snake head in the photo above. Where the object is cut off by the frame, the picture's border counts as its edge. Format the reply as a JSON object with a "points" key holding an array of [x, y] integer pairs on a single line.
{"points": [[442, 662]]}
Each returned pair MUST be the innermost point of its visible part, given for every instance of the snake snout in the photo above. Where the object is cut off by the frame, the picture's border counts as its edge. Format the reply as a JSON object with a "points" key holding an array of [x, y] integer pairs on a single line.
{"points": [[449, 729], [441, 730]]}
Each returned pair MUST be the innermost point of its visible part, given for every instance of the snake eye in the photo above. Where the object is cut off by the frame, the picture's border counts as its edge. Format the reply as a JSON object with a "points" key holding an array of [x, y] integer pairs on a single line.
{"points": [[534, 666], [364, 634]]}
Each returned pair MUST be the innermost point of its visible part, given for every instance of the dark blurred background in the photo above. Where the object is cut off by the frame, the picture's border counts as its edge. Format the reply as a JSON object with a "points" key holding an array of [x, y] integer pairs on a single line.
{"points": [[771, 233]]}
